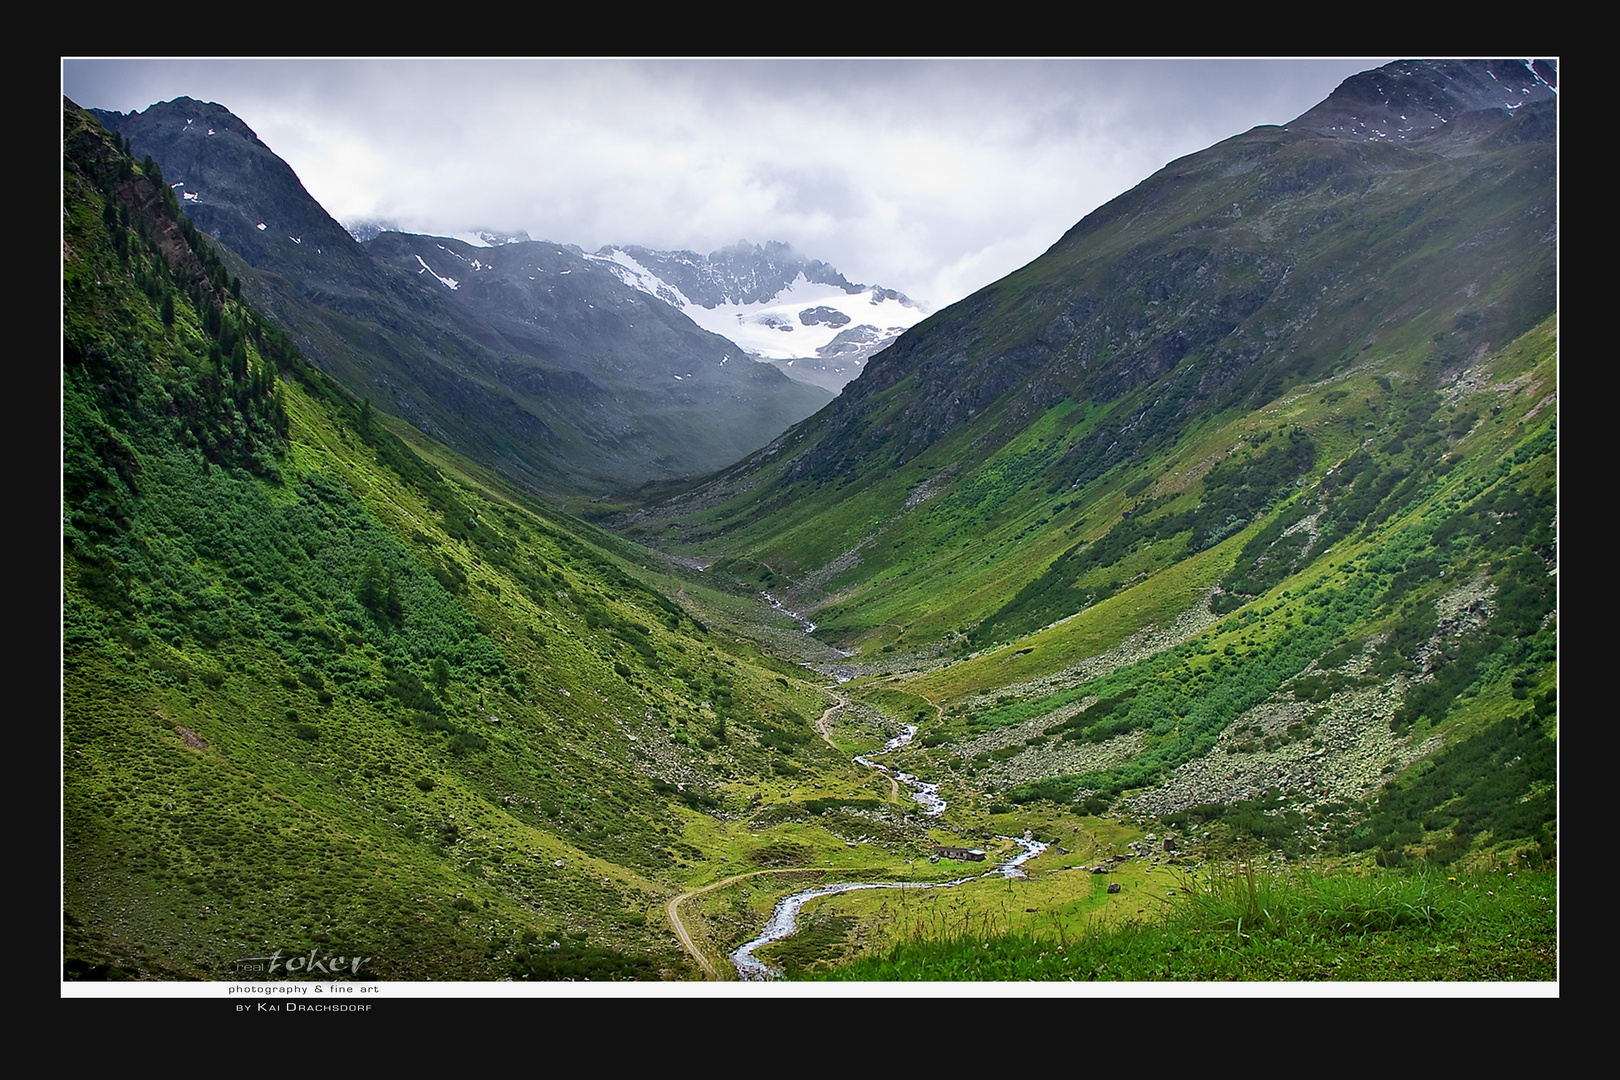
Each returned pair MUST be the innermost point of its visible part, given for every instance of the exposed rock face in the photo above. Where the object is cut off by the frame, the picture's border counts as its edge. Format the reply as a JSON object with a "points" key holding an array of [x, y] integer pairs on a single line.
{"points": [[1408, 101], [235, 188], [823, 315]]}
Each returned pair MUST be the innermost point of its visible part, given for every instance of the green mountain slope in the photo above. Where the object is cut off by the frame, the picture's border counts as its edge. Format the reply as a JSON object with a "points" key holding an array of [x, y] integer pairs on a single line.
{"points": [[320, 695], [1247, 486], [1233, 520]]}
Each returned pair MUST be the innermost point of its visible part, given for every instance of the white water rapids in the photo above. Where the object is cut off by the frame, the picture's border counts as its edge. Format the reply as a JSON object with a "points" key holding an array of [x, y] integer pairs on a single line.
{"points": [[927, 794], [784, 918], [809, 627]]}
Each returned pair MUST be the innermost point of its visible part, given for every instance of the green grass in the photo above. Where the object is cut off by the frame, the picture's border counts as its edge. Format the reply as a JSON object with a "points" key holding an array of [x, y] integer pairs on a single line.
{"points": [[1238, 924], [446, 724], [319, 689]]}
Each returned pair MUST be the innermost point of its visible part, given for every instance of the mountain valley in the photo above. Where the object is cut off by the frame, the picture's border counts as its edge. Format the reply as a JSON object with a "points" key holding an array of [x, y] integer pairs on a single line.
{"points": [[530, 355], [474, 613]]}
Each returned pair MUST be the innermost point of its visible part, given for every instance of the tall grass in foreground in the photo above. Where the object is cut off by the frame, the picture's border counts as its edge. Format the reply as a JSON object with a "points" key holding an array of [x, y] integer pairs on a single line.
{"points": [[1242, 923]]}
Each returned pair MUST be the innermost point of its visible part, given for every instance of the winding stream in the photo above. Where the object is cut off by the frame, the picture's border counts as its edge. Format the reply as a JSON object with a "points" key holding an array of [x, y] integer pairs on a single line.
{"points": [[809, 627], [784, 918], [927, 794], [836, 672]]}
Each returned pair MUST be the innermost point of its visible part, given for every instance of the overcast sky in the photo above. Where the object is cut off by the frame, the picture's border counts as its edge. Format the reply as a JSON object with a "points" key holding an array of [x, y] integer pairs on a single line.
{"points": [[933, 177]]}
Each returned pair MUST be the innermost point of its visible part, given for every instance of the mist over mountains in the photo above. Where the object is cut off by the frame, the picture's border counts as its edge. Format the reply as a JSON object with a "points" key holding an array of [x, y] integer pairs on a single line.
{"points": [[1273, 258], [1274, 363], [574, 381], [1231, 521]]}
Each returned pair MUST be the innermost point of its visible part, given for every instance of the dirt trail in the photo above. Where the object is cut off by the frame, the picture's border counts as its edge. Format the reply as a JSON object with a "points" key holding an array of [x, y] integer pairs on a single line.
{"points": [[680, 928], [826, 717], [686, 941], [821, 727]]}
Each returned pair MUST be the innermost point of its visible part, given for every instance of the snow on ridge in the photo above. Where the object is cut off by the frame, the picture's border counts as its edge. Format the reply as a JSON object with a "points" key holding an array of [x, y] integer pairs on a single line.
{"points": [[771, 329], [630, 271], [474, 264], [451, 283], [1531, 64]]}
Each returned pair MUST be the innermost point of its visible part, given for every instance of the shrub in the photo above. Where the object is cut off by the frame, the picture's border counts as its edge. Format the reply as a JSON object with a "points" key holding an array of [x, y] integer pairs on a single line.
{"points": [[463, 741]]}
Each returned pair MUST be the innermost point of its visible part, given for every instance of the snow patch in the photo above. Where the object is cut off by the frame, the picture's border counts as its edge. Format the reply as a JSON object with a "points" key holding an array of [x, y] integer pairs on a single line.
{"points": [[771, 329], [449, 283]]}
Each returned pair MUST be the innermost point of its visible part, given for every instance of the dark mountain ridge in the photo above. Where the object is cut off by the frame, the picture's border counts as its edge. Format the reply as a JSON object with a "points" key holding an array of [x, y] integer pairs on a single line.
{"points": [[564, 387], [1409, 101], [1272, 258]]}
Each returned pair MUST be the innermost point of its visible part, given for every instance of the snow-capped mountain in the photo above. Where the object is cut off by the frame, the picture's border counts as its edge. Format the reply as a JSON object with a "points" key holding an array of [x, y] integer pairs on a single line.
{"points": [[799, 314], [514, 351], [369, 229]]}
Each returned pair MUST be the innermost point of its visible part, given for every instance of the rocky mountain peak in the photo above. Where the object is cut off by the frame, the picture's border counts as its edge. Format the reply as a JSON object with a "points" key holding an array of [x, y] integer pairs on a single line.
{"points": [[234, 186], [204, 119], [1416, 99], [743, 273]]}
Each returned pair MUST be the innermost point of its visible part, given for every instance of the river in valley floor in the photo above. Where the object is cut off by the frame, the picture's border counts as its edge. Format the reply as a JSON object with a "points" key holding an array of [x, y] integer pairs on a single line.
{"points": [[926, 794], [784, 917]]}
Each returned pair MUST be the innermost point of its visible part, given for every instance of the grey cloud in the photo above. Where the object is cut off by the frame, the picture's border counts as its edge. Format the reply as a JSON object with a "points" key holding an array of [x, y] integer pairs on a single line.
{"points": [[928, 176]]}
